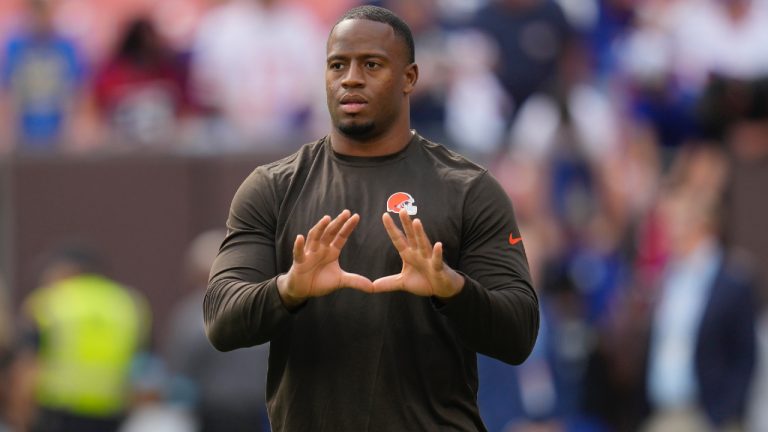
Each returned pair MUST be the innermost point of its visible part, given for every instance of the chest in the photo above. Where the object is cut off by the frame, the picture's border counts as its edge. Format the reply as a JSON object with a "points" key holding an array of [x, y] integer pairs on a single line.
{"points": [[370, 192]]}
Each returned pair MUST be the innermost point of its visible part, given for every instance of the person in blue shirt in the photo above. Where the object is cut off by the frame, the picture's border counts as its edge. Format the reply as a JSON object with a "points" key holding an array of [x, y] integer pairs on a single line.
{"points": [[41, 74]]}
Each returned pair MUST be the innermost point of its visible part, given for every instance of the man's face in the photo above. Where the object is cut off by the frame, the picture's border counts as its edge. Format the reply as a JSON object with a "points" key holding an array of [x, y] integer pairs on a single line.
{"points": [[367, 78]]}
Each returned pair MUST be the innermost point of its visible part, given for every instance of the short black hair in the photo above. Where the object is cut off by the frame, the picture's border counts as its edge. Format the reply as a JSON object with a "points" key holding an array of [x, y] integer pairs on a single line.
{"points": [[386, 16]]}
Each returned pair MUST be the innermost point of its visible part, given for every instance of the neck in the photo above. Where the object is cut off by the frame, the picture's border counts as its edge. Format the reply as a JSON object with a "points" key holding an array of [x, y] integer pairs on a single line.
{"points": [[390, 142]]}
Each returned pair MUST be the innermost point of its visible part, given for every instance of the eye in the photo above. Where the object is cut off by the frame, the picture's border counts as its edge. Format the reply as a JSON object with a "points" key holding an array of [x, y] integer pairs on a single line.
{"points": [[335, 66], [372, 65]]}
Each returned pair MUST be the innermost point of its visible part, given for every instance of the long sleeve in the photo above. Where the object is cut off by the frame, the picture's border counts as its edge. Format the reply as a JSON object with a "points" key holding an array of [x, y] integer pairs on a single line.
{"points": [[242, 306], [497, 311]]}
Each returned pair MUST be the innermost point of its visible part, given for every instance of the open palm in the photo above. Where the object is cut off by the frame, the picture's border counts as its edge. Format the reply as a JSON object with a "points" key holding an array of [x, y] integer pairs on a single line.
{"points": [[316, 271], [424, 273]]}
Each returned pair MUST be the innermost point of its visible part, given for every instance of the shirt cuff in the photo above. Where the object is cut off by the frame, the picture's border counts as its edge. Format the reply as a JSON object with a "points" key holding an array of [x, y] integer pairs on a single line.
{"points": [[276, 301], [459, 303]]}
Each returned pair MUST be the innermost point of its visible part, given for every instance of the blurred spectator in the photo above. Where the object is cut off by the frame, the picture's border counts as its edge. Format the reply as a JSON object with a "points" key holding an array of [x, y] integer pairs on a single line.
{"points": [[511, 52], [42, 80], [476, 106], [85, 330], [141, 89], [212, 380], [675, 49], [722, 37], [702, 336], [257, 74], [531, 36]]}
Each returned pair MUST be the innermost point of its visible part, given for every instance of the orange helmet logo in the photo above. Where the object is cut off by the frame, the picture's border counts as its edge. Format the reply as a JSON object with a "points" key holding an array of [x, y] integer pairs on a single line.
{"points": [[401, 200]]}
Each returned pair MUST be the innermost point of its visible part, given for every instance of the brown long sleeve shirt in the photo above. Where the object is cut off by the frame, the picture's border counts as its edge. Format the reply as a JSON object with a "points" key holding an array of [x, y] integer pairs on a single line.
{"points": [[352, 361]]}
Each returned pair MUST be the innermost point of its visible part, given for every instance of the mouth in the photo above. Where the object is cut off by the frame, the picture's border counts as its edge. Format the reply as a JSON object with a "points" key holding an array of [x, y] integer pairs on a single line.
{"points": [[352, 104]]}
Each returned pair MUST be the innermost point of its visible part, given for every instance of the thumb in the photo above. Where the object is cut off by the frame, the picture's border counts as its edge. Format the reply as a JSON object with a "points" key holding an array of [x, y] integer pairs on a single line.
{"points": [[352, 280], [388, 283]]}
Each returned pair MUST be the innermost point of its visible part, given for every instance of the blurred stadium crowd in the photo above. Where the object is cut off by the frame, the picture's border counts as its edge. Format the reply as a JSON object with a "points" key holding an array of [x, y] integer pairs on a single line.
{"points": [[631, 135]]}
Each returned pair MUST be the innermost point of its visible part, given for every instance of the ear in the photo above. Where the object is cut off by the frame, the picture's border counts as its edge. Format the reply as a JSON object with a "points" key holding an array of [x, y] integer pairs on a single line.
{"points": [[411, 76]]}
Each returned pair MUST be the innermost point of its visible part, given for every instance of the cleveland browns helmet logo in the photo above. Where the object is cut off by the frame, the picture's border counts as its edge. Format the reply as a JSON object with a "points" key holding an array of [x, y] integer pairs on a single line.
{"points": [[401, 200]]}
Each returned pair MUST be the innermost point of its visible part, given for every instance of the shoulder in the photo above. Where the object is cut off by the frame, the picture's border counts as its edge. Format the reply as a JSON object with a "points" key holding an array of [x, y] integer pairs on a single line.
{"points": [[451, 166], [468, 180], [285, 169]]}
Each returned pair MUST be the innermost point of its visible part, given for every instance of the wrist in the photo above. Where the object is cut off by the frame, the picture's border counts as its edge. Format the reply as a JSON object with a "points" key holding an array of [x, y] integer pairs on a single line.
{"points": [[290, 301], [455, 284]]}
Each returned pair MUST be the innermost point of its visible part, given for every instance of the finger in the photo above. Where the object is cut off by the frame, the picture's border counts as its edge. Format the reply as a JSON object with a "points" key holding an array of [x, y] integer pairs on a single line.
{"points": [[388, 284], [298, 249], [316, 232], [356, 281], [334, 227], [437, 257], [422, 241], [345, 231], [397, 237], [405, 220]]}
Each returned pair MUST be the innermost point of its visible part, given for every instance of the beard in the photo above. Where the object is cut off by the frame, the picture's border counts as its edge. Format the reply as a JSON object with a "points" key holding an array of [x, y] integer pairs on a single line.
{"points": [[357, 131]]}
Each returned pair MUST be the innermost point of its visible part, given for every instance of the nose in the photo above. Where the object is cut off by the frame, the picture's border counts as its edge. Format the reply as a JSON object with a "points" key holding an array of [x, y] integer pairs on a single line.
{"points": [[353, 77]]}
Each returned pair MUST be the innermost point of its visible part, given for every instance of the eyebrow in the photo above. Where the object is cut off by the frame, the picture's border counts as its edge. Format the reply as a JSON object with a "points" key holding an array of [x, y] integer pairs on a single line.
{"points": [[362, 55]]}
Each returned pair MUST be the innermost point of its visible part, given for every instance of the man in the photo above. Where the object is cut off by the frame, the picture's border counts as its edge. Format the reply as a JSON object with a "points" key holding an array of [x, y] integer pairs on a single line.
{"points": [[397, 351], [40, 84], [85, 330], [702, 346]]}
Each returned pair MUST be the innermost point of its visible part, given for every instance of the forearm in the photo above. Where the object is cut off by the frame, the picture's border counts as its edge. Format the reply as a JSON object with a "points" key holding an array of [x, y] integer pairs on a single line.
{"points": [[501, 323], [497, 311], [241, 314]]}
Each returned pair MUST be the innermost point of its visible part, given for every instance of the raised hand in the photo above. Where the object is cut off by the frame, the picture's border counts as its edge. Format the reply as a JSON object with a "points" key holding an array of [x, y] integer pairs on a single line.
{"points": [[424, 273], [315, 271]]}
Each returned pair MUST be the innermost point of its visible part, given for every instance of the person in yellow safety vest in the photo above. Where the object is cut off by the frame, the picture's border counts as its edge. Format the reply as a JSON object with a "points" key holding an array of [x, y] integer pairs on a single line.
{"points": [[87, 329]]}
